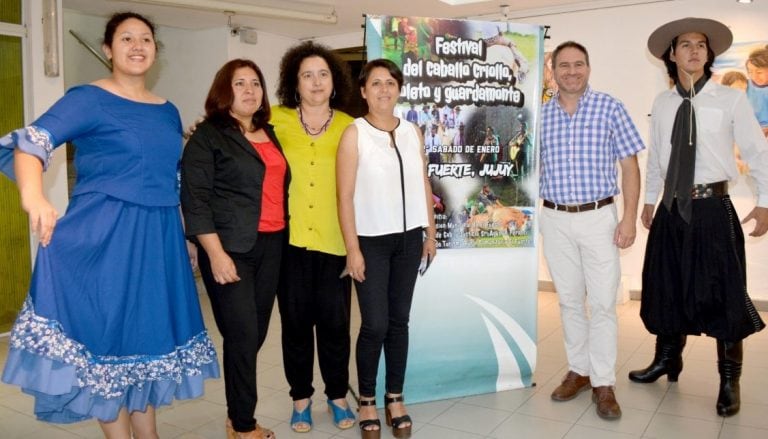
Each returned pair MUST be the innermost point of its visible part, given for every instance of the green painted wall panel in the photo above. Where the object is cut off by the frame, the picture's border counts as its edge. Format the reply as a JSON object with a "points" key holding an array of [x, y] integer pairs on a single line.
{"points": [[14, 228], [10, 11]]}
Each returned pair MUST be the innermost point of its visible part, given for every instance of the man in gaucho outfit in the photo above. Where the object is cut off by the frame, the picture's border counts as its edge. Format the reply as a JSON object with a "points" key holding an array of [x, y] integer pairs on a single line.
{"points": [[694, 274]]}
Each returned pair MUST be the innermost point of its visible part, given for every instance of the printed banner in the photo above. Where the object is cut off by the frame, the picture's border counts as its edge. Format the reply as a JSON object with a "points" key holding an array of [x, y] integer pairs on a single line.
{"points": [[474, 90]]}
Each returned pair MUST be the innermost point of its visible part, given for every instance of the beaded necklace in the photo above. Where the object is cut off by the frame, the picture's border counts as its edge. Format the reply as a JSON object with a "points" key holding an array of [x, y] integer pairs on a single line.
{"points": [[309, 130]]}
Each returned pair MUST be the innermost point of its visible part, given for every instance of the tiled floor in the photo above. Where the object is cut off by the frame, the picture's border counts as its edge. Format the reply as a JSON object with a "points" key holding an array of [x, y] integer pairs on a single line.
{"points": [[660, 410]]}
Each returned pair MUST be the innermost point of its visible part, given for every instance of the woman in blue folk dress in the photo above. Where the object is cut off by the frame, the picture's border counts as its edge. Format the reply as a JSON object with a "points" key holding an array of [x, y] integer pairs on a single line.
{"points": [[112, 327]]}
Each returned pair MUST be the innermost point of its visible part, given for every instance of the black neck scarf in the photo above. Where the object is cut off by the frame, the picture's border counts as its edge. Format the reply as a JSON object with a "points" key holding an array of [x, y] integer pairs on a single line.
{"points": [[679, 180]]}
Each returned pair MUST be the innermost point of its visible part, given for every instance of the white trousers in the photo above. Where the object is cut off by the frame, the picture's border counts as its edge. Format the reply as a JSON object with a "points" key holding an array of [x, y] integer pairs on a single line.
{"points": [[584, 264]]}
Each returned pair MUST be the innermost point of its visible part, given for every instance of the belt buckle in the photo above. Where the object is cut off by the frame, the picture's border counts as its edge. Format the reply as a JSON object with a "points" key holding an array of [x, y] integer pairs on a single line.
{"points": [[586, 207], [701, 191]]}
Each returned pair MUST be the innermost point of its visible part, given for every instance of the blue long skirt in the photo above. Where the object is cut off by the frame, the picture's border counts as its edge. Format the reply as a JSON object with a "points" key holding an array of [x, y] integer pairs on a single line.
{"points": [[112, 319]]}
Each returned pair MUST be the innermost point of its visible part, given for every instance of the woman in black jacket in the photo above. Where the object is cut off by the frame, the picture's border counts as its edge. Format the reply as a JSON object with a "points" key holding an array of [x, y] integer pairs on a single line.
{"points": [[234, 181]]}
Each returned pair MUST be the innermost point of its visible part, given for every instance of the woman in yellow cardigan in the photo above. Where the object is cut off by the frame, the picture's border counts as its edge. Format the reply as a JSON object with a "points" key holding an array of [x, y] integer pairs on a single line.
{"points": [[314, 301]]}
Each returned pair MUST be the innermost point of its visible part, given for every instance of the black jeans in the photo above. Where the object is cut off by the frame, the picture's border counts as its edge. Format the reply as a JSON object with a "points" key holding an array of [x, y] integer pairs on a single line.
{"points": [[242, 310], [314, 301], [391, 266]]}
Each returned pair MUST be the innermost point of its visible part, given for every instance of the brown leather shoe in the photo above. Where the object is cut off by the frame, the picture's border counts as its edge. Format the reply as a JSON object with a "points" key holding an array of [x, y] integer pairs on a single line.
{"points": [[572, 385], [605, 402]]}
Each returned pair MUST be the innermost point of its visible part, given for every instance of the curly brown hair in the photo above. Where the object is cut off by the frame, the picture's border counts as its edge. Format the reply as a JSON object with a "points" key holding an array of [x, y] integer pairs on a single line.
{"points": [[289, 74]]}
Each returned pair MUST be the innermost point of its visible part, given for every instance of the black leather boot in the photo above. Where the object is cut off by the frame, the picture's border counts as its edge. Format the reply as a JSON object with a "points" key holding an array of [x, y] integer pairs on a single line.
{"points": [[668, 360], [729, 358]]}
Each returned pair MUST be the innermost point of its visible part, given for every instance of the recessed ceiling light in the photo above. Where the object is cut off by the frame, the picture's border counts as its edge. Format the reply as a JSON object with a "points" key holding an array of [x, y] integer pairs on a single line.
{"points": [[743, 1]]}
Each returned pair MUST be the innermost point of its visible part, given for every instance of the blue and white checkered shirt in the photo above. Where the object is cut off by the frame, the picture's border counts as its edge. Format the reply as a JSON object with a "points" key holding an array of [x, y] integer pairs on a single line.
{"points": [[579, 152]]}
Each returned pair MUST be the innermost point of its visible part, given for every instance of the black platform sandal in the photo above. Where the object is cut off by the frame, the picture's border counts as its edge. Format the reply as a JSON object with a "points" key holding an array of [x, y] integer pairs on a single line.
{"points": [[366, 424], [398, 430]]}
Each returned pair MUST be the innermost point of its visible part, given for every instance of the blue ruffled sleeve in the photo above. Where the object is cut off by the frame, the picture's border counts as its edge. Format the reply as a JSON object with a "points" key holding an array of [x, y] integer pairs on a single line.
{"points": [[32, 140], [75, 114]]}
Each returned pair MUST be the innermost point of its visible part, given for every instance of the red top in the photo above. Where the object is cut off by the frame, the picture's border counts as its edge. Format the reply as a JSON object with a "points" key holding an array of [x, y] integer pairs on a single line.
{"points": [[273, 191]]}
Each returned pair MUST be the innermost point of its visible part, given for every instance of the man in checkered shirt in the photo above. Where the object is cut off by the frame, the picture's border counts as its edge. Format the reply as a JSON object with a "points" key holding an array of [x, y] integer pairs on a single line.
{"points": [[584, 133]]}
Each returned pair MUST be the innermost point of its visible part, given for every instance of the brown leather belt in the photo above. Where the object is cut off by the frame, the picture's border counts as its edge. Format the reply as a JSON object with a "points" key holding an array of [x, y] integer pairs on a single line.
{"points": [[572, 208], [719, 189]]}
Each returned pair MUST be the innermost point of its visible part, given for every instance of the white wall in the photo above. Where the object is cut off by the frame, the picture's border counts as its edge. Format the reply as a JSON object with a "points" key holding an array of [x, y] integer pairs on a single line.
{"points": [[615, 37], [80, 66], [186, 65], [341, 41], [266, 53], [40, 93], [622, 66], [183, 72]]}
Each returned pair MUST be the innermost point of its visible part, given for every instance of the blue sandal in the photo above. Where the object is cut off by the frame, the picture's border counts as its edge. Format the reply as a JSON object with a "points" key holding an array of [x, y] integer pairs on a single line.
{"points": [[341, 414], [302, 417]]}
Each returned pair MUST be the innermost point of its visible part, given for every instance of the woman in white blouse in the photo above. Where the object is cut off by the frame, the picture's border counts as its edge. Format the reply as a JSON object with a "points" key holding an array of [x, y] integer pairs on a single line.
{"points": [[386, 215]]}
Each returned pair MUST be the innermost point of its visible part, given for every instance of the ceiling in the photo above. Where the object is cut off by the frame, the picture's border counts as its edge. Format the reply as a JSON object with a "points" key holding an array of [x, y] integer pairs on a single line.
{"points": [[350, 12]]}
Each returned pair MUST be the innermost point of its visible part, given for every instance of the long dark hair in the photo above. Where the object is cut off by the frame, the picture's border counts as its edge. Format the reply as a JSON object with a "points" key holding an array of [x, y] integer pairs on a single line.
{"points": [[672, 66], [220, 97], [287, 88]]}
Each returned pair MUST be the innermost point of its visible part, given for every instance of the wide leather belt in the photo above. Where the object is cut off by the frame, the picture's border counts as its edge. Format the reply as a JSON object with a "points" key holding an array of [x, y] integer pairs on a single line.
{"points": [[573, 208], [719, 189]]}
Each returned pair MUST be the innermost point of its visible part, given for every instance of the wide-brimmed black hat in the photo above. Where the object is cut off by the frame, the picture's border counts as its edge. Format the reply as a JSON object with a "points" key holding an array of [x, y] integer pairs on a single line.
{"points": [[718, 35]]}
